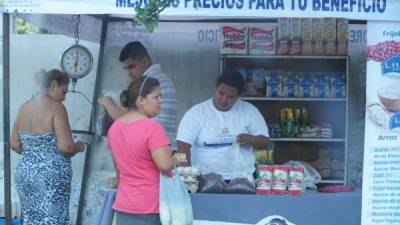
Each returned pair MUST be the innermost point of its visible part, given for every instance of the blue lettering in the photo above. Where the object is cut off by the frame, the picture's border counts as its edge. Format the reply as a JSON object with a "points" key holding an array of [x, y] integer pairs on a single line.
{"points": [[344, 5], [197, 3], [366, 9], [260, 4], [200, 35], [215, 4], [279, 4], [292, 4], [325, 4], [302, 5], [175, 4], [206, 4], [239, 4], [186, 3], [316, 5], [352, 3], [120, 3], [251, 4], [382, 8], [230, 4], [335, 4]]}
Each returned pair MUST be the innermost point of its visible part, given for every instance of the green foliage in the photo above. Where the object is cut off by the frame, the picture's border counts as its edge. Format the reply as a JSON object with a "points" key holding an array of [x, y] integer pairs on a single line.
{"points": [[150, 15], [23, 27]]}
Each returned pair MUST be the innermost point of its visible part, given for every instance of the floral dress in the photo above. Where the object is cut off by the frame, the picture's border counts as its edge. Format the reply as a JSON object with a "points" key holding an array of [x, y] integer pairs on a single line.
{"points": [[43, 180]]}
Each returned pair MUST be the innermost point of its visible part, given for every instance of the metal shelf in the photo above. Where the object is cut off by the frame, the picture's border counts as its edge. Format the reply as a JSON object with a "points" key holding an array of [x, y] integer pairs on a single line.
{"points": [[308, 139], [292, 99], [283, 56], [332, 182]]}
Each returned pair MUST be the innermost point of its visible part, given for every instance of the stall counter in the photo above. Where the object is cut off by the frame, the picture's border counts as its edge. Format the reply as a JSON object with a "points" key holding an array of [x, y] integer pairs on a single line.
{"points": [[312, 208]]}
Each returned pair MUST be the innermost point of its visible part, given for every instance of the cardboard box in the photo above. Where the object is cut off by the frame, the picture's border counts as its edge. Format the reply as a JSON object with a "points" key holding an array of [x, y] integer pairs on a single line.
{"points": [[262, 39], [330, 36], [295, 36], [234, 39], [307, 36], [283, 36], [319, 36]]}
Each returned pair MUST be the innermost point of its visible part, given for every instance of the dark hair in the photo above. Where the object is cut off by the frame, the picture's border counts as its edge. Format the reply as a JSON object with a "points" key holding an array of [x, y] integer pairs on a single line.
{"points": [[133, 50], [140, 87], [232, 78], [45, 78]]}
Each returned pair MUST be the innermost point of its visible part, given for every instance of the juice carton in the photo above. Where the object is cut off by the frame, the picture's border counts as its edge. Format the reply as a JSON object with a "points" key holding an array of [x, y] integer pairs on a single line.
{"points": [[283, 45], [295, 36], [330, 36]]}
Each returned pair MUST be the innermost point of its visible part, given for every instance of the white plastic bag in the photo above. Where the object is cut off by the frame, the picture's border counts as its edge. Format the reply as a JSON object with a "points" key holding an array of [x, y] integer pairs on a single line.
{"points": [[240, 167], [311, 175], [175, 203]]}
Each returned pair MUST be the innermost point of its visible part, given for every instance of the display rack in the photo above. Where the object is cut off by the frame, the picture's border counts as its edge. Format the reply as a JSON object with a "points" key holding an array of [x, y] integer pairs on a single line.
{"points": [[324, 108]]}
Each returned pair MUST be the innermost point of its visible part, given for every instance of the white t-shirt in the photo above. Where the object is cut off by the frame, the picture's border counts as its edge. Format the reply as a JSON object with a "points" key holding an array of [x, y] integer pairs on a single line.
{"points": [[211, 134]]}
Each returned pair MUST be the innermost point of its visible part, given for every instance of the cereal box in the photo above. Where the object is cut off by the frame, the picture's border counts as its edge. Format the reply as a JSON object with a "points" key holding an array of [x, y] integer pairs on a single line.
{"points": [[262, 39], [330, 36], [234, 39], [307, 36], [283, 45], [342, 33]]}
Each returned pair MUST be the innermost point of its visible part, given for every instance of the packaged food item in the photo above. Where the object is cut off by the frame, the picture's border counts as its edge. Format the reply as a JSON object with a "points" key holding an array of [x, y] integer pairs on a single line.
{"points": [[319, 36], [240, 185], [234, 39], [262, 39], [274, 84], [264, 186], [338, 85], [307, 36], [295, 36], [290, 85], [322, 85], [283, 45], [306, 85], [342, 33], [280, 179], [211, 183], [330, 36], [259, 81], [296, 178]]}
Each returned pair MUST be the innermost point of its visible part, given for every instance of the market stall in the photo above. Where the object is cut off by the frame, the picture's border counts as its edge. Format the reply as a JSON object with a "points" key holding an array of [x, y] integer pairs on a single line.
{"points": [[338, 105]]}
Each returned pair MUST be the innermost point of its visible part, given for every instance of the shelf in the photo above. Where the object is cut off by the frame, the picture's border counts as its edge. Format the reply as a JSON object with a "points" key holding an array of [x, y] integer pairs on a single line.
{"points": [[291, 99], [331, 181], [308, 139], [284, 56]]}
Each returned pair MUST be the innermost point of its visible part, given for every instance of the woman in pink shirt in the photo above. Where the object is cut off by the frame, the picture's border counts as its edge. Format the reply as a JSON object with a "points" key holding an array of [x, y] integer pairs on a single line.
{"points": [[140, 150]]}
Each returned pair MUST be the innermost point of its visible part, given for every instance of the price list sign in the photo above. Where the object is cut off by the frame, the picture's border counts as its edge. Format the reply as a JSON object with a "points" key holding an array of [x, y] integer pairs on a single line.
{"points": [[381, 174]]}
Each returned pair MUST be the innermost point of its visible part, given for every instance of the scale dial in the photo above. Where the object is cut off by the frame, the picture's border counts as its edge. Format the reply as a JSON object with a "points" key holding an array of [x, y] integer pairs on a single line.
{"points": [[76, 61]]}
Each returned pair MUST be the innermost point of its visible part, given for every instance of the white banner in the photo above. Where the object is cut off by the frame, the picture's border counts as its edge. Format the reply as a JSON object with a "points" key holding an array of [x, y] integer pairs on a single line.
{"points": [[381, 174], [197, 9]]}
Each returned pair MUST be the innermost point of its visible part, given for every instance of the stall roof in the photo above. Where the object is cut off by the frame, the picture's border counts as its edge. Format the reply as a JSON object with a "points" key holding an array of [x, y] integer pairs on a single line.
{"points": [[218, 9]]}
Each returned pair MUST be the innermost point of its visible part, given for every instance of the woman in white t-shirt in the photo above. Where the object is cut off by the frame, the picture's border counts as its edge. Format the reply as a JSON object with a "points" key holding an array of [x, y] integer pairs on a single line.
{"points": [[208, 131]]}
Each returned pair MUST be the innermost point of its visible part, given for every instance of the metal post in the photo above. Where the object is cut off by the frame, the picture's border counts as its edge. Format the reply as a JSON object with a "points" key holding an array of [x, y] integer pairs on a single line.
{"points": [[6, 117], [86, 166]]}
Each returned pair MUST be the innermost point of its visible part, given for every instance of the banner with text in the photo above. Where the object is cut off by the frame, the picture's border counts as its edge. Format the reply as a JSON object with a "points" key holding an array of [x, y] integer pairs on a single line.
{"points": [[381, 174], [351, 9]]}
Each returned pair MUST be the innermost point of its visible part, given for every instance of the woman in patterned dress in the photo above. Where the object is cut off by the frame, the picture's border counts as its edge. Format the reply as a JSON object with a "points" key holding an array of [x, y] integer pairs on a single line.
{"points": [[42, 135]]}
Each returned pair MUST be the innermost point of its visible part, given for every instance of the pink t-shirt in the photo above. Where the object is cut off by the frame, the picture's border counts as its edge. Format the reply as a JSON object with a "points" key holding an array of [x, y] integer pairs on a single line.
{"points": [[131, 145]]}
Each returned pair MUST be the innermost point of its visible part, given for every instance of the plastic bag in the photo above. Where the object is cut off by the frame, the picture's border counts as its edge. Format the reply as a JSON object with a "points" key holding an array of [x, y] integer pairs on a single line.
{"points": [[103, 123], [175, 203], [211, 183], [311, 176], [240, 166], [240, 185]]}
